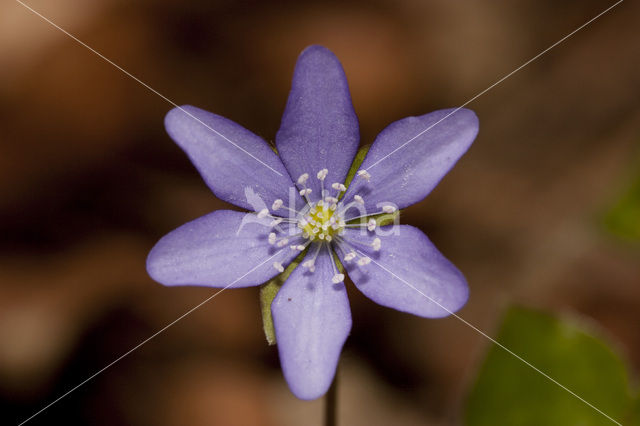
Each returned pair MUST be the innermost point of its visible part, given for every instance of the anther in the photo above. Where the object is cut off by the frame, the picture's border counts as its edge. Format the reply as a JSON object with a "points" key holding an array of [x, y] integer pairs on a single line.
{"points": [[276, 205], [263, 213], [337, 278], [376, 244], [364, 261], [272, 238], [278, 266], [371, 225], [322, 174], [358, 199], [338, 186], [304, 192], [275, 222], [283, 242], [350, 256], [364, 174], [388, 209], [303, 178]]}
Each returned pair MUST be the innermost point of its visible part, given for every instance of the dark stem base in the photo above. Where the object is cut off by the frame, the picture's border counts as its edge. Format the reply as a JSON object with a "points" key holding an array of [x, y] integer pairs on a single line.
{"points": [[330, 404]]}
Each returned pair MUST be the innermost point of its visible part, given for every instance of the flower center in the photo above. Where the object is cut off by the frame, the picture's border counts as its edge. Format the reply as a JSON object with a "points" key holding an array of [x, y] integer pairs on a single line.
{"points": [[321, 222]]}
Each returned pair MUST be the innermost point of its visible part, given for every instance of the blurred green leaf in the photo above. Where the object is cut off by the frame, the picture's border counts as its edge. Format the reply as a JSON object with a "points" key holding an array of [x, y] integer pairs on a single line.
{"points": [[508, 392], [623, 219], [634, 418]]}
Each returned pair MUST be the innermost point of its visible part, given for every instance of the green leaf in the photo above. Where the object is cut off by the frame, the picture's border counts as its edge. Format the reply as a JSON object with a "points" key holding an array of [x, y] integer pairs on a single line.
{"points": [[508, 392], [268, 292], [623, 219], [386, 218], [634, 417], [362, 152]]}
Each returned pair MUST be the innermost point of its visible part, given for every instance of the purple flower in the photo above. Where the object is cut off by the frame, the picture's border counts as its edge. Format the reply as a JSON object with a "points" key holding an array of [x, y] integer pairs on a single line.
{"points": [[317, 142]]}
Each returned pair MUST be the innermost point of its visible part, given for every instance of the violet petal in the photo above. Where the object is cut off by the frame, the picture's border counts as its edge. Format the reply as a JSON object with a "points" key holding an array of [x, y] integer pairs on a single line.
{"points": [[319, 127], [231, 160], [209, 251], [312, 320], [408, 273], [409, 174]]}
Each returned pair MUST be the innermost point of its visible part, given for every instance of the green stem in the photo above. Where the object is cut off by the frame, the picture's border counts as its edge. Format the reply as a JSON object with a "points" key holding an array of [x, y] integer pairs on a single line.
{"points": [[330, 404]]}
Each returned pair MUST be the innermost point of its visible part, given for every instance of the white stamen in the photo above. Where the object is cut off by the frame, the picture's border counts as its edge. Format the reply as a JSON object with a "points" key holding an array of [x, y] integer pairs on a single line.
{"points": [[272, 238], [309, 264], [364, 174], [276, 205], [337, 278], [278, 266], [371, 225], [303, 178], [338, 186], [350, 256], [300, 247], [364, 261], [283, 242], [322, 174], [376, 244], [302, 223], [358, 199], [304, 192], [263, 213], [388, 209], [321, 236], [276, 222], [331, 199], [328, 238]]}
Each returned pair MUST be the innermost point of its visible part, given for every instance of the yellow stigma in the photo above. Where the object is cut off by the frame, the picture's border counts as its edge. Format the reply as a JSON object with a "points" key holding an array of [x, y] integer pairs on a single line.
{"points": [[320, 223]]}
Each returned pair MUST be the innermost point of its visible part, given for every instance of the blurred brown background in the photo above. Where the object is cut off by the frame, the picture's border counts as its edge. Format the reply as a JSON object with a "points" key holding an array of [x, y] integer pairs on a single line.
{"points": [[89, 181]]}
